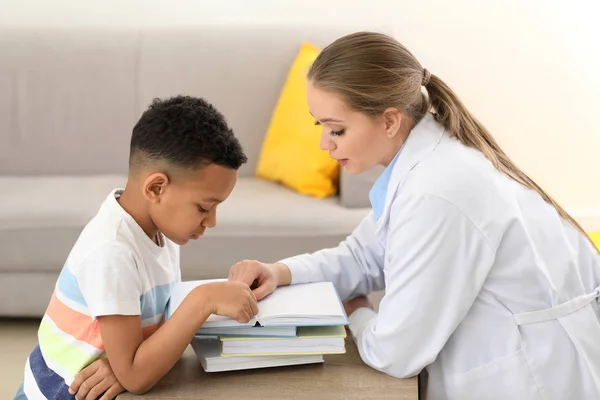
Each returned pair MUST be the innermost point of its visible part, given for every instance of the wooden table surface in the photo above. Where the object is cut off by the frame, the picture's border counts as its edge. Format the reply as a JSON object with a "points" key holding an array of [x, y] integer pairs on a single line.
{"points": [[341, 376]]}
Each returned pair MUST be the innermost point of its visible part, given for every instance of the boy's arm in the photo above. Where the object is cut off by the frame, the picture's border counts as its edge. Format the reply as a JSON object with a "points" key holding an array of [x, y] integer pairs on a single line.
{"points": [[110, 287], [139, 364]]}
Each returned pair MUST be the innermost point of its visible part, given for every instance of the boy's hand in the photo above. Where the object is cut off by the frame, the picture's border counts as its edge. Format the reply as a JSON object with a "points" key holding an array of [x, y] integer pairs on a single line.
{"points": [[263, 278], [95, 380], [232, 299]]}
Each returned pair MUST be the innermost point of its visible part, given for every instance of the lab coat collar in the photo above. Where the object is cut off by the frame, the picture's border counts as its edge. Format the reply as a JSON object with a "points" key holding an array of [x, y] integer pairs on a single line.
{"points": [[421, 141]]}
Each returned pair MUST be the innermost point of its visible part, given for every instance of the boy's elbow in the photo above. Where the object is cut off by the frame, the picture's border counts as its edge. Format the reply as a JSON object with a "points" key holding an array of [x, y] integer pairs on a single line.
{"points": [[137, 389], [136, 386]]}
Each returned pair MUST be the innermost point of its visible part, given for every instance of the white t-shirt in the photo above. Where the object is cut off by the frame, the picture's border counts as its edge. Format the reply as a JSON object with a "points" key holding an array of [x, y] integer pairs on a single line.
{"points": [[114, 268], [120, 270]]}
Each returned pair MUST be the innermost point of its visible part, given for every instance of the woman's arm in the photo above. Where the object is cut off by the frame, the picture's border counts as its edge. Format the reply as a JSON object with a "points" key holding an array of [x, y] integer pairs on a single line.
{"points": [[436, 263], [355, 266]]}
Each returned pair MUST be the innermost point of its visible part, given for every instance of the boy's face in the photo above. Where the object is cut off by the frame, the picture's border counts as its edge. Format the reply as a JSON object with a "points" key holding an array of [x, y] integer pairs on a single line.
{"points": [[184, 207]]}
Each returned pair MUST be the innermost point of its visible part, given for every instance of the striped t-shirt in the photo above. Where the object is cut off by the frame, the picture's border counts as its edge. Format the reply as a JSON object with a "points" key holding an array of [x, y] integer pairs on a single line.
{"points": [[113, 269]]}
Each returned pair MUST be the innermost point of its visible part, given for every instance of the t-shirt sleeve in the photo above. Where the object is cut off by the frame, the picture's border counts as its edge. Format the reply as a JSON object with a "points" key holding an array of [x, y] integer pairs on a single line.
{"points": [[109, 281]]}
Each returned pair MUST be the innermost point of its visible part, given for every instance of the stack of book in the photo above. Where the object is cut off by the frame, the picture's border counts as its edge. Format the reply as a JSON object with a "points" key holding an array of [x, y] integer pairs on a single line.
{"points": [[295, 325]]}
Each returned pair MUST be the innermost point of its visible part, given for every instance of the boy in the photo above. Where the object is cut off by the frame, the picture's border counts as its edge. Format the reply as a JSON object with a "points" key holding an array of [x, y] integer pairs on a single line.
{"points": [[110, 298]]}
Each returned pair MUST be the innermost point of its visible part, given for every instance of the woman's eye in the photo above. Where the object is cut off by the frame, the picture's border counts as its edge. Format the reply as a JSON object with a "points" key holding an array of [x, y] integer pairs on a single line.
{"points": [[333, 133]]}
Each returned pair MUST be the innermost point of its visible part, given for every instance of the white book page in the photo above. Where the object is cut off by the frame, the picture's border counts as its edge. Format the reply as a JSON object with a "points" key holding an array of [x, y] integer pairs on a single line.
{"points": [[183, 289], [296, 303], [304, 301]]}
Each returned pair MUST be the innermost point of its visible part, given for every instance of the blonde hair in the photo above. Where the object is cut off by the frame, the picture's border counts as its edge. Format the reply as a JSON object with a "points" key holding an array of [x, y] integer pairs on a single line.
{"points": [[372, 72]]}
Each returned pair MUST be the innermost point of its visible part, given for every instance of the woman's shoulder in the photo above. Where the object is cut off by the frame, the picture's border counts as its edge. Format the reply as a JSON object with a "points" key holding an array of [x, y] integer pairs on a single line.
{"points": [[456, 173], [464, 179]]}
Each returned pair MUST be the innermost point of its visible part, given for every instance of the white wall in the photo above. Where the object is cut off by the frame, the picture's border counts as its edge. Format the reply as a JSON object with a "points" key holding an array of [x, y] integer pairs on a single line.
{"points": [[530, 70]]}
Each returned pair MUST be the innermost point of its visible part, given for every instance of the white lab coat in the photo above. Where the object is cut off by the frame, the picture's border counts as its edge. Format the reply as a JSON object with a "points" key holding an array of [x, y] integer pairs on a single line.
{"points": [[486, 287]]}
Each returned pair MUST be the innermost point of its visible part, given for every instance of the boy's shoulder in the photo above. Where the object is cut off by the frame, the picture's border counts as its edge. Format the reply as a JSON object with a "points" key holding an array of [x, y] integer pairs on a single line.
{"points": [[108, 233]]}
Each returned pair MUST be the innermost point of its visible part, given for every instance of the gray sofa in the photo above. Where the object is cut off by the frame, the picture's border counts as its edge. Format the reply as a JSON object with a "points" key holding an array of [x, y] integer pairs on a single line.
{"points": [[70, 98]]}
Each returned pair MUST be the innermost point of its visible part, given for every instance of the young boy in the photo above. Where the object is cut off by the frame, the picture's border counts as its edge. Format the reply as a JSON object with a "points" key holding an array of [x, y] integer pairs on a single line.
{"points": [[110, 298]]}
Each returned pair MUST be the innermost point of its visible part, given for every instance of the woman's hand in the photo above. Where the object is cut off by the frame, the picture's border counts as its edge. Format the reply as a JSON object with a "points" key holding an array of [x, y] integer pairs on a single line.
{"points": [[262, 278], [358, 302], [95, 380]]}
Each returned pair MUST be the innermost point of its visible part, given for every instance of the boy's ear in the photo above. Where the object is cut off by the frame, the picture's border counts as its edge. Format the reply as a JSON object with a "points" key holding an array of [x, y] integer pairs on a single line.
{"points": [[154, 186]]}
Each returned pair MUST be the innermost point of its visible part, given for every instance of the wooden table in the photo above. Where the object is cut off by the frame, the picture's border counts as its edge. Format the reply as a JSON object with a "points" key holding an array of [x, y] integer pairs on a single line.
{"points": [[343, 377]]}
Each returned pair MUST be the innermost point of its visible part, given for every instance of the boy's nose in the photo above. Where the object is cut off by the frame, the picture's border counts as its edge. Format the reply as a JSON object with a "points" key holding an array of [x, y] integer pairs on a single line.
{"points": [[210, 221]]}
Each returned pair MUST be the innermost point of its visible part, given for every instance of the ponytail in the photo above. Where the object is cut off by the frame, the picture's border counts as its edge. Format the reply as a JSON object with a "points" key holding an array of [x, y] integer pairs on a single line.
{"points": [[450, 112], [373, 71]]}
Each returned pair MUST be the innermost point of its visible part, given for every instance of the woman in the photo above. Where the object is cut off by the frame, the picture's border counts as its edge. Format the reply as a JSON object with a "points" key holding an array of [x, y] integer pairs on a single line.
{"points": [[489, 284]]}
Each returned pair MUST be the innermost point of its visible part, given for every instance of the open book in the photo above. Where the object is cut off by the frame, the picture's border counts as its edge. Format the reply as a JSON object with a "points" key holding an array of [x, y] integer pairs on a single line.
{"points": [[309, 304]]}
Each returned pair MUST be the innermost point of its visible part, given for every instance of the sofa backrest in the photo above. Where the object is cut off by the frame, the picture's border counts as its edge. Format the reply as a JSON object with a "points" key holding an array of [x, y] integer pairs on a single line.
{"points": [[70, 97]]}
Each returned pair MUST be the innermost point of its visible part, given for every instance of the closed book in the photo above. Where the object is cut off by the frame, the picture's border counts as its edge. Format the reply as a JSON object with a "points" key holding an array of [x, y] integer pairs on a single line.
{"points": [[310, 340], [208, 352]]}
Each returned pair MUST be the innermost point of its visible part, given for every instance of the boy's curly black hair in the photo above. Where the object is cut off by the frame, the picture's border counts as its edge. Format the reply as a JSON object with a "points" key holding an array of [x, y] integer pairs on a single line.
{"points": [[184, 132]]}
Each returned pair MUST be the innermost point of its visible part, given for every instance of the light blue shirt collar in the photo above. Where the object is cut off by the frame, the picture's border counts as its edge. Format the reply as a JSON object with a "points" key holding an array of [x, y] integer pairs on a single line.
{"points": [[378, 192]]}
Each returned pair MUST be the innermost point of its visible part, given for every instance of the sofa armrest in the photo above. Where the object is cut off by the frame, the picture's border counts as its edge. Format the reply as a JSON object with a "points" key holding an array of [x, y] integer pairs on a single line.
{"points": [[354, 189]]}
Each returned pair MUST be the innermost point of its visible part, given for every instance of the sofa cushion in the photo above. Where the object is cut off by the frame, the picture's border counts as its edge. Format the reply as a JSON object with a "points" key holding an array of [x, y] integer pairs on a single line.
{"points": [[596, 238], [70, 97], [68, 101], [262, 208], [41, 218], [354, 189], [291, 154]]}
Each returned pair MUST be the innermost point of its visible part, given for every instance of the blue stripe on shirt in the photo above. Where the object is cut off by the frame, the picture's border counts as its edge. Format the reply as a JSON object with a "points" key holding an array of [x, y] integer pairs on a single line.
{"points": [[154, 301], [68, 286], [49, 382]]}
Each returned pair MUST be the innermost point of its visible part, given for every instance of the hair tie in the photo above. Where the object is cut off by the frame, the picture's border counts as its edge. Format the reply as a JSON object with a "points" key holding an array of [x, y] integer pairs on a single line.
{"points": [[426, 77]]}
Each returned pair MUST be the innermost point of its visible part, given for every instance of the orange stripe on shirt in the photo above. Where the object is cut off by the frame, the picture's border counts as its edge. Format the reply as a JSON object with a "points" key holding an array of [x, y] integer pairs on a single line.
{"points": [[80, 326]]}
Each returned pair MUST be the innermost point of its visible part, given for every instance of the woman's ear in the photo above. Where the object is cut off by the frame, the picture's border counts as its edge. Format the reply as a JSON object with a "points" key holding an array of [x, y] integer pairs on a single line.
{"points": [[393, 120], [154, 186]]}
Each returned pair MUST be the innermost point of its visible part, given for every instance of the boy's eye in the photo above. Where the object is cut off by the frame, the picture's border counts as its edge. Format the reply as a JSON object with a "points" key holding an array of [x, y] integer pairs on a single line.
{"points": [[317, 123], [202, 209]]}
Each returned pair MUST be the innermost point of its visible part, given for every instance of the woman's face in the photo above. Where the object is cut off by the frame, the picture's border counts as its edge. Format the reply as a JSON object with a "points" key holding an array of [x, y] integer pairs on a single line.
{"points": [[356, 140]]}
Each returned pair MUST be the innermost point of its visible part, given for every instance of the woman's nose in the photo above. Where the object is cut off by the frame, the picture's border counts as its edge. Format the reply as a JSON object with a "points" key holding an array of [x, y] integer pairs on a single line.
{"points": [[326, 143]]}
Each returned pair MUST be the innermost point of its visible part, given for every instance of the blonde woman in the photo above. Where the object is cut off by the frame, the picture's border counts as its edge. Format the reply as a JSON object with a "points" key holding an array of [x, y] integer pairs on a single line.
{"points": [[490, 286]]}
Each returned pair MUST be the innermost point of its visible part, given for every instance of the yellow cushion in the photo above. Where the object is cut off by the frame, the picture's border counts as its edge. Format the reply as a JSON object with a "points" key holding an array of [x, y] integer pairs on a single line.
{"points": [[290, 154], [596, 239]]}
